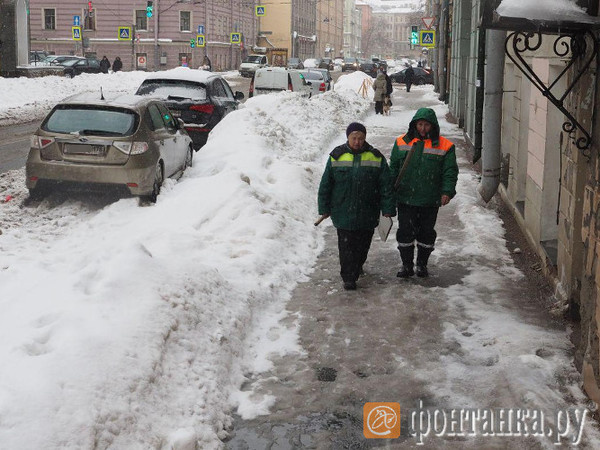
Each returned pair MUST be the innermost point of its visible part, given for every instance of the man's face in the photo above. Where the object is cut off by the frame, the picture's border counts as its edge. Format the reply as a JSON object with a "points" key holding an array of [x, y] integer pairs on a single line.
{"points": [[356, 139], [423, 127]]}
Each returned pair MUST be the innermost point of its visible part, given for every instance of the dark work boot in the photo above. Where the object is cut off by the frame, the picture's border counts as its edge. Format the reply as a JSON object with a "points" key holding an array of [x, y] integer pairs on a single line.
{"points": [[407, 255], [422, 271], [422, 259], [405, 272]]}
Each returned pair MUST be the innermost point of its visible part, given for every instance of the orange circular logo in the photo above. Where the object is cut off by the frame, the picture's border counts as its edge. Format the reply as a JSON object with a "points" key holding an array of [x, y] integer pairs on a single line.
{"points": [[381, 420]]}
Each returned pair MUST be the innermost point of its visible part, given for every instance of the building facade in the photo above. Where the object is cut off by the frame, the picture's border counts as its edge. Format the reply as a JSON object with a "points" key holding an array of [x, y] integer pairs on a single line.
{"points": [[352, 46], [330, 28], [162, 41], [550, 171], [292, 25]]}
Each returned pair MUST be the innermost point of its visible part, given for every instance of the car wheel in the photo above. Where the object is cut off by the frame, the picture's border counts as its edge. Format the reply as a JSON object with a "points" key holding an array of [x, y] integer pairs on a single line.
{"points": [[158, 181], [419, 81], [37, 193], [189, 158]]}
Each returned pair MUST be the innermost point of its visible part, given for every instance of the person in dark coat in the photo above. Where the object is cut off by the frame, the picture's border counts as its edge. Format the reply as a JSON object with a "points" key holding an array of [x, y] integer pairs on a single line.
{"points": [[117, 64], [104, 64], [428, 182], [389, 88], [354, 189], [409, 74], [206, 64]]}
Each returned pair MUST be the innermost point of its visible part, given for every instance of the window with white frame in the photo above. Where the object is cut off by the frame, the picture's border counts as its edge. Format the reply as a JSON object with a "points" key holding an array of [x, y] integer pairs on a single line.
{"points": [[141, 20], [185, 21], [49, 18]]}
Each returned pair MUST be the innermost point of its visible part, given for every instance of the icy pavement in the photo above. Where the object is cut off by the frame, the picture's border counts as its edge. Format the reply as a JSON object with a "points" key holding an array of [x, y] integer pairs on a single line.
{"points": [[470, 338]]}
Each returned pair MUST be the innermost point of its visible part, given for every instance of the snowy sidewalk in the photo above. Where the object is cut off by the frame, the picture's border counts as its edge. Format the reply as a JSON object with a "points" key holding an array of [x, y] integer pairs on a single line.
{"points": [[470, 336]]}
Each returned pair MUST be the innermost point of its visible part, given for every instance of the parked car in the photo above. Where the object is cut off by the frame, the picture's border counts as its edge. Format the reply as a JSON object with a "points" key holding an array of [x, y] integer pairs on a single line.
{"points": [[316, 80], [60, 60], [350, 64], [73, 67], [37, 56], [131, 142], [295, 63], [326, 63], [199, 98], [276, 79], [326, 76], [421, 76], [251, 63], [370, 68]]}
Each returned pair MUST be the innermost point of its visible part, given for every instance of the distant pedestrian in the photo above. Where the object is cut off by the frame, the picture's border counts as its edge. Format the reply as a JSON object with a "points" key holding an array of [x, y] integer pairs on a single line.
{"points": [[206, 64], [389, 88], [409, 74], [104, 64], [423, 165], [354, 188], [380, 87], [117, 64]]}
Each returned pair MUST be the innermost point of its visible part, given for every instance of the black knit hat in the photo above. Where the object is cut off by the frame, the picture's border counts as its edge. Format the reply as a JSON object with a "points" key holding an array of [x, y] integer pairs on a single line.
{"points": [[355, 126]]}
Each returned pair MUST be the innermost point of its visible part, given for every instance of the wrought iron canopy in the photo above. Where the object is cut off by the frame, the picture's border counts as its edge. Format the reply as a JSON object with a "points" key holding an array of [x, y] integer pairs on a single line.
{"points": [[576, 41]]}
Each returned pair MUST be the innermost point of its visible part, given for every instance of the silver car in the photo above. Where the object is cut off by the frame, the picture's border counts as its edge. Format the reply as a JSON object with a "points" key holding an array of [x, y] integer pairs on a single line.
{"points": [[316, 79], [132, 142]]}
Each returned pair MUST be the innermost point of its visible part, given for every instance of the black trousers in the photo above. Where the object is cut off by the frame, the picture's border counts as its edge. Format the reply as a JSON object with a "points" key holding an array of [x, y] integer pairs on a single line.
{"points": [[417, 223], [354, 247], [408, 85], [379, 107]]}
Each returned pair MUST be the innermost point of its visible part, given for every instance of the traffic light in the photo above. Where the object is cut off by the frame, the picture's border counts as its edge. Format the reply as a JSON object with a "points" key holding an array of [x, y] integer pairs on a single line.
{"points": [[149, 9], [414, 35], [192, 43], [90, 7]]}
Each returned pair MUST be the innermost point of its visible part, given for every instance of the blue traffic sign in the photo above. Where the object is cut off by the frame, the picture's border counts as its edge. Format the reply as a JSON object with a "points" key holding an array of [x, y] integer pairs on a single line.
{"points": [[260, 10], [200, 29], [124, 34], [76, 20]]}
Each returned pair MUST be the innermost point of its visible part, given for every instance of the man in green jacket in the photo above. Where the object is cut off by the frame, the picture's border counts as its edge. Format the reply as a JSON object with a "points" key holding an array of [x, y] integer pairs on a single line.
{"points": [[427, 182], [355, 187]]}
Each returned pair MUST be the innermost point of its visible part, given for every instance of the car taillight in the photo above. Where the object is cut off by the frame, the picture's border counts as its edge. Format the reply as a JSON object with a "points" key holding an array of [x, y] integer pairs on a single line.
{"points": [[131, 148], [207, 108], [41, 142], [251, 90], [322, 87], [290, 87]]}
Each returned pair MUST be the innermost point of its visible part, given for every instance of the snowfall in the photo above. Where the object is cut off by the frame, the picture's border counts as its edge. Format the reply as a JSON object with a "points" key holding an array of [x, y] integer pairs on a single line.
{"points": [[131, 326]]}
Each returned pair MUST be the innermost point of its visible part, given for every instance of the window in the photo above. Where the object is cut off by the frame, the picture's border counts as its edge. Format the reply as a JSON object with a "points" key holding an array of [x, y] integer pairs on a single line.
{"points": [[141, 20], [89, 22], [185, 21], [49, 19]]}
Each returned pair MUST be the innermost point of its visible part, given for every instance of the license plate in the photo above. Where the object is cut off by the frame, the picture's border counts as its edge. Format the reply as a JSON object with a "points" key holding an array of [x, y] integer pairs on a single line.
{"points": [[94, 150]]}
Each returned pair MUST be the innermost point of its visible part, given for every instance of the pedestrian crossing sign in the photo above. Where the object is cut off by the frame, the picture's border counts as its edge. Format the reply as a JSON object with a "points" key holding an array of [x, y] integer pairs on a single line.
{"points": [[76, 33], [260, 10], [124, 33], [427, 38], [200, 41], [236, 38]]}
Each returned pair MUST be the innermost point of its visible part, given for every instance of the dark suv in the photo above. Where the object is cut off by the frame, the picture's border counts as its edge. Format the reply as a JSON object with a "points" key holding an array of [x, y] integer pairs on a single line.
{"points": [[326, 63], [350, 64], [201, 99]]}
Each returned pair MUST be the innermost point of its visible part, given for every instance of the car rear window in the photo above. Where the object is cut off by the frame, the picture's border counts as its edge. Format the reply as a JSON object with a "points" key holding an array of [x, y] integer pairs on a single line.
{"points": [[173, 88], [313, 75], [92, 120]]}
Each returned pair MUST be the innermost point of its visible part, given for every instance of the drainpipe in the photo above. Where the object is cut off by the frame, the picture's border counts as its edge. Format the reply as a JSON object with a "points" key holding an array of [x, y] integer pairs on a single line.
{"points": [[491, 157]]}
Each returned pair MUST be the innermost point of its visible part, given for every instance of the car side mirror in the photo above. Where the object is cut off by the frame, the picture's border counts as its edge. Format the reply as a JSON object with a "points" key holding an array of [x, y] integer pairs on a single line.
{"points": [[238, 95], [309, 83]]}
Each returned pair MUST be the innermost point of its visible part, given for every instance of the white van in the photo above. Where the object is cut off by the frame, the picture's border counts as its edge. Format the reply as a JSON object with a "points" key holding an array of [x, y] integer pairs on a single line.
{"points": [[275, 79], [251, 63]]}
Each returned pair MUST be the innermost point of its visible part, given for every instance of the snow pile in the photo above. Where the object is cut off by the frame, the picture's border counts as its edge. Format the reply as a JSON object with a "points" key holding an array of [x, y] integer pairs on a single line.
{"points": [[544, 10], [124, 326]]}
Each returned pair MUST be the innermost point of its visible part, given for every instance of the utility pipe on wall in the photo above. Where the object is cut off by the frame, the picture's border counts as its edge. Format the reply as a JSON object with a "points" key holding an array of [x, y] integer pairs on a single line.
{"points": [[491, 157]]}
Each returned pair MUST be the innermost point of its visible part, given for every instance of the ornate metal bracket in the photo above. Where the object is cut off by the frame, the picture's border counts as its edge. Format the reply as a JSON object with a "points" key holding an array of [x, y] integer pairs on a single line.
{"points": [[574, 43]]}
